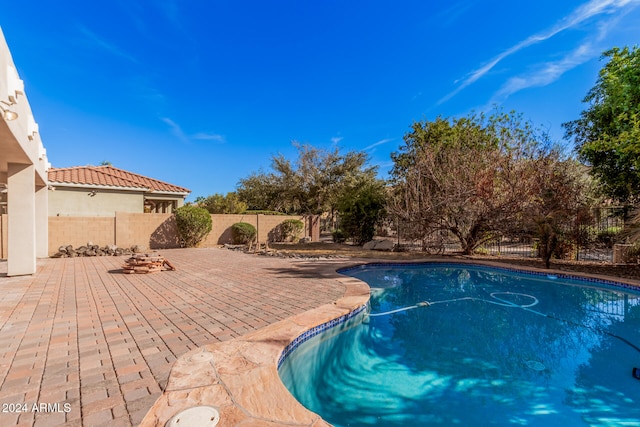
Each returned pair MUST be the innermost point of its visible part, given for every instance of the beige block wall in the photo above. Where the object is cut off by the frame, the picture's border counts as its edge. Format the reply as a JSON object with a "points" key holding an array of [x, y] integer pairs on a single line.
{"points": [[77, 231], [266, 226], [148, 230], [221, 228], [152, 231]]}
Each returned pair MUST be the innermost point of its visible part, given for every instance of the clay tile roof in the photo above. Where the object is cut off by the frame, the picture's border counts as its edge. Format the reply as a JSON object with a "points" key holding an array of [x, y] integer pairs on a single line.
{"points": [[112, 177]]}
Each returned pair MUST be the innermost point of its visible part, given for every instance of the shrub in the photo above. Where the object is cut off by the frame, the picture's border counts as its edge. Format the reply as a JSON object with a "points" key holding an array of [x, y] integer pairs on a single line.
{"points": [[481, 250], [564, 249], [632, 255], [361, 210], [339, 236], [243, 233], [291, 229], [193, 224], [222, 204]]}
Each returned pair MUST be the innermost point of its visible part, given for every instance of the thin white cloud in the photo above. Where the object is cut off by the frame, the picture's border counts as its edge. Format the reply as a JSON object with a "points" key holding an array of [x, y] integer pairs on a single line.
{"points": [[575, 18], [209, 137], [450, 15], [385, 165], [105, 45], [336, 139], [176, 130], [375, 144], [549, 72]]}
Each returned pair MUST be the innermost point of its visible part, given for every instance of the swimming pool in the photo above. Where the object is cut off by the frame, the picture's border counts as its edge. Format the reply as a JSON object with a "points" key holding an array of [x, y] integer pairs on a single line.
{"points": [[457, 344]]}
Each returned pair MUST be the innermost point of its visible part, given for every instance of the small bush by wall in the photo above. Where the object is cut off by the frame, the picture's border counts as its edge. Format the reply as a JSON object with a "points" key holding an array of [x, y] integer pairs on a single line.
{"points": [[339, 236], [193, 224], [243, 233], [291, 229]]}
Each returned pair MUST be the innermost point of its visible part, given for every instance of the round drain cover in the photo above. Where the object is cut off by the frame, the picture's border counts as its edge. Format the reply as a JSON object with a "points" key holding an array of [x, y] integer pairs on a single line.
{"points": [[201, 357], [201, 416]]}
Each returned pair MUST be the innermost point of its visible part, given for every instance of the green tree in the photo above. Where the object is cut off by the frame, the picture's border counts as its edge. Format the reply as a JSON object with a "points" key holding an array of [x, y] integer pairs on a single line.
{"points": [[222, 204], [607, 134], [470, 176], [310, 185], [361, 208]]}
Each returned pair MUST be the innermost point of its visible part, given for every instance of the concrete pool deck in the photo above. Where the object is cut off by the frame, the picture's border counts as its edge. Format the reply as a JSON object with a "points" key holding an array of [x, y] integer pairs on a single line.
{"points": [[112, 346]]}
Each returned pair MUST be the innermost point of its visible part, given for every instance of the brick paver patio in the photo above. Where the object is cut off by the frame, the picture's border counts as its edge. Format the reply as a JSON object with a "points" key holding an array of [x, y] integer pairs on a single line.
{"points": [[83, 344]]}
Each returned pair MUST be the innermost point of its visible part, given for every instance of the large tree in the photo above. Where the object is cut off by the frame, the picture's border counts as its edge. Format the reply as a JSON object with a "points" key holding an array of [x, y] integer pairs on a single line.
{"points": [[361, 209], [561, 195], [470, 176], [607, 134], [222, 204], [310, 185]]}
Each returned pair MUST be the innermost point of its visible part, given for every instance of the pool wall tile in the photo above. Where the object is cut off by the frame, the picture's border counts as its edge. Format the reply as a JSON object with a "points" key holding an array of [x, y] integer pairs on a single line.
{"points": [[318, 330]]}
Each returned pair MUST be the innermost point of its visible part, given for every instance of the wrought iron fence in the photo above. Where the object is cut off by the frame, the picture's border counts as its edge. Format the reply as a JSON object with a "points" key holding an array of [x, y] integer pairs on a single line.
{"points": [[589, 238]]}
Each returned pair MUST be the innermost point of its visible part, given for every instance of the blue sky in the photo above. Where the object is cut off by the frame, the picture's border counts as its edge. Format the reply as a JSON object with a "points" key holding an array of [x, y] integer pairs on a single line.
{"points": [[200, 93]]}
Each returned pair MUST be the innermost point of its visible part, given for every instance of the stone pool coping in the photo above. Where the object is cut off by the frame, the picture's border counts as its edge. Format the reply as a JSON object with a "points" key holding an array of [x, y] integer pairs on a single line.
{"points": [[240, 377]]}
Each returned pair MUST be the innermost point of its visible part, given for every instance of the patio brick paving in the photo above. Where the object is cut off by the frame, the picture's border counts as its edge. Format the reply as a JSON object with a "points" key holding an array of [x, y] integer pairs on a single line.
{"points": [[81, 333]]}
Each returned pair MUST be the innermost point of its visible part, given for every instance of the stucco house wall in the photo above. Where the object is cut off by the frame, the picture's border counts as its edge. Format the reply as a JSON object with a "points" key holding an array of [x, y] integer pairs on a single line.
{"points": [[85, 202]]}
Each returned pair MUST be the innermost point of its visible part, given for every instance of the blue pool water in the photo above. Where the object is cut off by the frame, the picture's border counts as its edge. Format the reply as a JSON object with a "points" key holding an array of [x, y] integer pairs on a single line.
{"points": [[485, 347]]}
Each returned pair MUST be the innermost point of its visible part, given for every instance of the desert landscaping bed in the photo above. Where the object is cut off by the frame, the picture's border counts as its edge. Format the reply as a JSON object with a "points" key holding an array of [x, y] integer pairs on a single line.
{"points": [[334, 250]]}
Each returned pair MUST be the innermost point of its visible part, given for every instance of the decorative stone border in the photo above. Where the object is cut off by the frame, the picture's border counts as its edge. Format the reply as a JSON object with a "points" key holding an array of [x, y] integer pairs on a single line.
{"points": [[240, 377]]}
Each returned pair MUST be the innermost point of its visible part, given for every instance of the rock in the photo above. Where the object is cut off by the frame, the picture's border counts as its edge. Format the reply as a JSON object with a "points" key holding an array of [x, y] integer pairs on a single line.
{"points": [[305, 240], [379, 245], [235, 247], [94, 250], [384, 245], [369, 245]]}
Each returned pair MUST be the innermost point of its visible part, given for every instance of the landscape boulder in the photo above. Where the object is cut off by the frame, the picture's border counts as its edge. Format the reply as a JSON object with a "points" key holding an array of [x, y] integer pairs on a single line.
{"points": [[379, 245], [68, 251]]}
